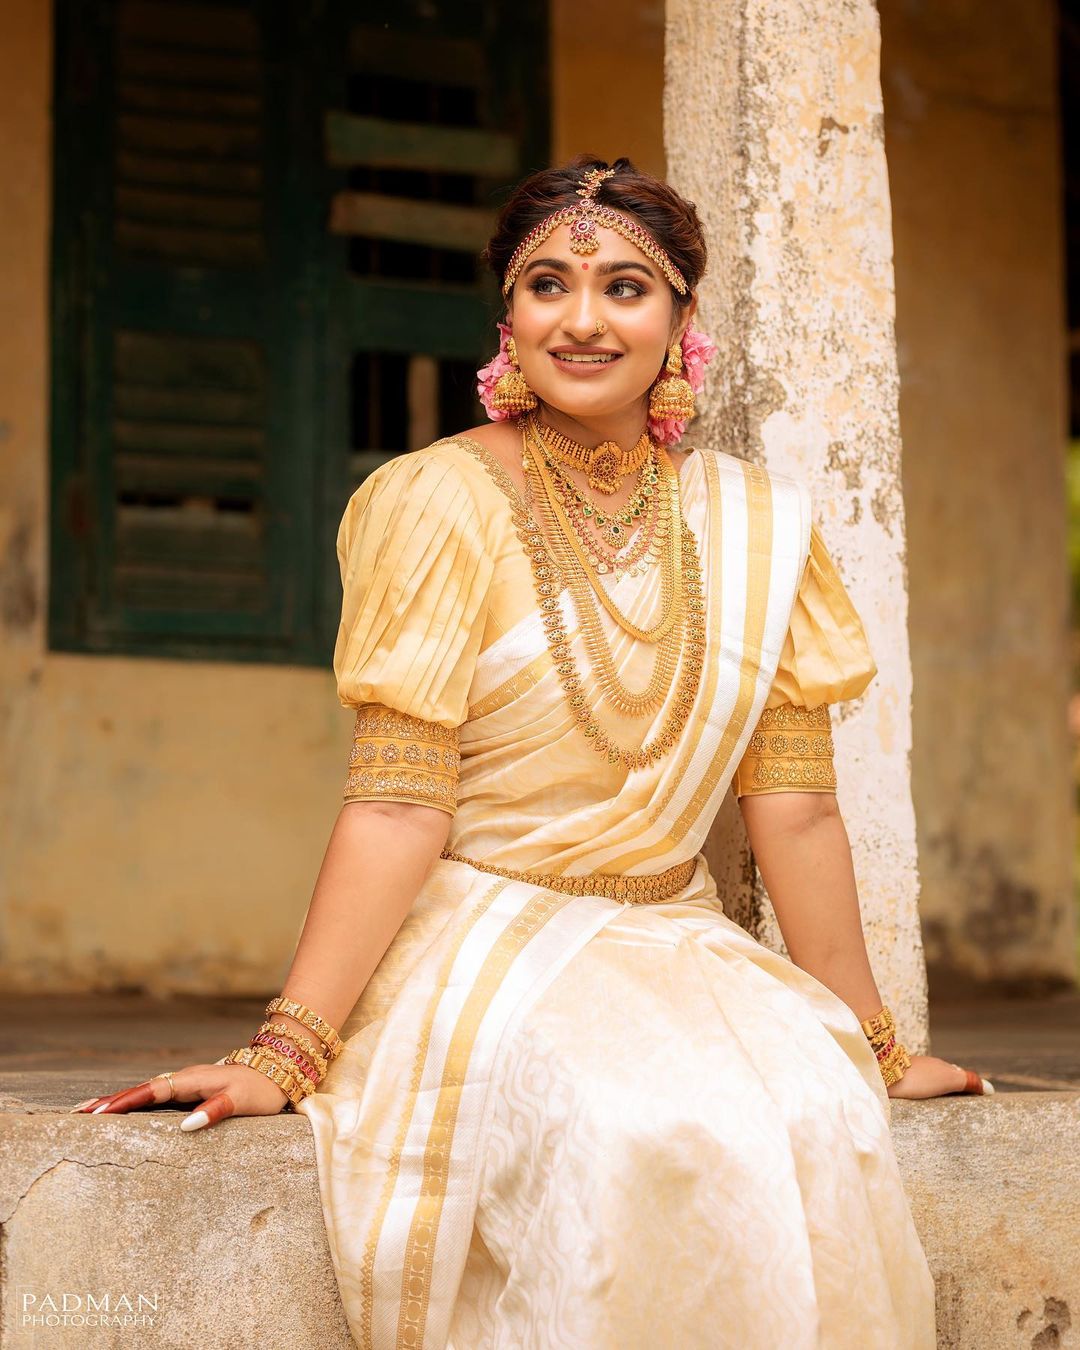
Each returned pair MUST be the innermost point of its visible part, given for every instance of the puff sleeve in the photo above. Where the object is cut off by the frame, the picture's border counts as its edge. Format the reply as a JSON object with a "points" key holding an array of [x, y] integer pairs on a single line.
{"points": [[825, 659], [415, 580]]}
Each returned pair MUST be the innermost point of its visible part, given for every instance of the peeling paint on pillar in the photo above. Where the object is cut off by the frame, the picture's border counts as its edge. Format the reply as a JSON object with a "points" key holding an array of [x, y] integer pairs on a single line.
{"points": [[773, 127]]}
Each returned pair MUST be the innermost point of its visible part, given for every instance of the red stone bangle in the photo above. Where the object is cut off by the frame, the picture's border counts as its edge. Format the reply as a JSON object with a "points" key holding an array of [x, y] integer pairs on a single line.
{"points": [[882, 1051], [290, 1051]]}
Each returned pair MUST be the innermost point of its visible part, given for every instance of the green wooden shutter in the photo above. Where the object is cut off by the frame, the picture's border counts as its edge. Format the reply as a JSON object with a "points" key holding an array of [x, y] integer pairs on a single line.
{"points": [[445, 104], [185, 449], [265, 282]]}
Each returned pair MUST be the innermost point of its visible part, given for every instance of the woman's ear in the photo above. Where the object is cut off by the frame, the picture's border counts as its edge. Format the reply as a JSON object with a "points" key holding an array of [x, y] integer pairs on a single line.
{"points": [[685, 315]]}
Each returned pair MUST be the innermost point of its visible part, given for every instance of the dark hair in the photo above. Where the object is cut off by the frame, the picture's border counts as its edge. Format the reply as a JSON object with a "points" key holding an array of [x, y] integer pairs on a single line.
{"points": [[670, 219]]}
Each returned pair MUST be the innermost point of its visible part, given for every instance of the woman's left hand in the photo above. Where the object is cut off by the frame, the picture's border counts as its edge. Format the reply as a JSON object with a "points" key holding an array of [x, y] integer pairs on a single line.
{"points": [[931, 1077]]}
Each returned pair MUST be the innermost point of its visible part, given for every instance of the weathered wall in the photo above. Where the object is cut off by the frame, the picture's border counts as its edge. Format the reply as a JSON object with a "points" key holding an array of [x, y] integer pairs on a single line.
{"points": [[162, 822], [773, 126], [974, 160]]}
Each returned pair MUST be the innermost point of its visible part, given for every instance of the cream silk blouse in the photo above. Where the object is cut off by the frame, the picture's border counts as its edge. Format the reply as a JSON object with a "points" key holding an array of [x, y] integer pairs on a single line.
{"points": [[432, 570]]}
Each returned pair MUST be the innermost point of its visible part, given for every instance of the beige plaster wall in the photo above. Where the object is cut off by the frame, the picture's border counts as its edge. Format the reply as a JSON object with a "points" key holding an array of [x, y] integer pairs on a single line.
{"points": [[607, 81], [774, 128], [972, 138]]}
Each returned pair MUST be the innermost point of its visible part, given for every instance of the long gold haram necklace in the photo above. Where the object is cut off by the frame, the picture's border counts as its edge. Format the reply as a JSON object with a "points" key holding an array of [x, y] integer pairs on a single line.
{"points": [[545, 572], [671, 567], [631, 702]]}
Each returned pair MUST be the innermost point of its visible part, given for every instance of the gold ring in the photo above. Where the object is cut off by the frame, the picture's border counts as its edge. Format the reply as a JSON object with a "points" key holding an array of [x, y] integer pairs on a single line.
{"points": [[169, 1076], [601, 327]]}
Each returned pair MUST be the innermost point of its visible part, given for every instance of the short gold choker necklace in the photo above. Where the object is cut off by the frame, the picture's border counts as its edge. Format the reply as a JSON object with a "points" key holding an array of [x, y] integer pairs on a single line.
{"points": [[605, 464]]}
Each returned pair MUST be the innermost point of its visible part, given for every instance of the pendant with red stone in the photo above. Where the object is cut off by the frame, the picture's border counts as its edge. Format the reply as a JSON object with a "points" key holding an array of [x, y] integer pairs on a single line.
{"points": [[583, 235]]}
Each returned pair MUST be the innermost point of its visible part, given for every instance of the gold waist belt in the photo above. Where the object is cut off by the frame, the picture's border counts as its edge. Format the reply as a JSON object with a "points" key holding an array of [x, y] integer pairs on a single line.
{"points": [[627, 890]]}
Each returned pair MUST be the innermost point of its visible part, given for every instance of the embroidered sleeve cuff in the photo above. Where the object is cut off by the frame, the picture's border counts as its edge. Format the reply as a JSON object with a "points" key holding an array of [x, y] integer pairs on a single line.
{"points": [[791, 750], [398, 758]]}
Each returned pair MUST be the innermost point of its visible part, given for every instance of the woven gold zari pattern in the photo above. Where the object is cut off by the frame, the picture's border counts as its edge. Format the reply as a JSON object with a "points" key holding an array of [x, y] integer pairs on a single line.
{"points": [[628, 890], [399, 758], [791, 750]]}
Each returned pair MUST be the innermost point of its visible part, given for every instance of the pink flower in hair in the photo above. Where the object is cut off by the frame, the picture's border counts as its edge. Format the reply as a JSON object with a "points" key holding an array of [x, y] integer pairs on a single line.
{"points": [[486, 376], [697, 351]]}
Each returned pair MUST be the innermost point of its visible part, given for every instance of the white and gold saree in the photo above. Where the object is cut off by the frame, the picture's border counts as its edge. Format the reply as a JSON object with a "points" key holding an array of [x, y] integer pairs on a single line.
{"points": [[562, 1120]]}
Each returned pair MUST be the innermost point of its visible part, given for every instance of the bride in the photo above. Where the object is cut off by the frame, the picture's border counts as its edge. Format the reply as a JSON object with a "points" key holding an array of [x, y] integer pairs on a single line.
{"points": [[558, 1098]]}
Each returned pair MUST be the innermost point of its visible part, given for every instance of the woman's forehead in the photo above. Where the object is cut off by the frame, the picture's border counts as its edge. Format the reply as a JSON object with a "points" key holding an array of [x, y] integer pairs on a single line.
{"points": [[612, 251]]}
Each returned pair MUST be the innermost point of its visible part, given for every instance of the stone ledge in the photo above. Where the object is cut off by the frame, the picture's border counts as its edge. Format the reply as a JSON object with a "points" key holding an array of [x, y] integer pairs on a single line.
{"points": [[225, 1225], [994, 1185]]}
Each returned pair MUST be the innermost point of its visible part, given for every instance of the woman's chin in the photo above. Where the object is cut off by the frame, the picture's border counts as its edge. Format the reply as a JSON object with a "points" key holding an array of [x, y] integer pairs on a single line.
{"points": [[579, 403]]}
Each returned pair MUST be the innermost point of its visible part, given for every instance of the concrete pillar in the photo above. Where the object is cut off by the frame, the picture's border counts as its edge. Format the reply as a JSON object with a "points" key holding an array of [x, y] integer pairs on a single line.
{"points": [[971, 118], [773, 126]]}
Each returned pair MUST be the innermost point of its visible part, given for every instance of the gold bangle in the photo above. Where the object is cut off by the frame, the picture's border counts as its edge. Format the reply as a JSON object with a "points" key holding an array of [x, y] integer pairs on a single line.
{"points": [[265, 1062], [295, 1057], [879, 1028], [895, 1064], [301, 1042], [312, 1020]]}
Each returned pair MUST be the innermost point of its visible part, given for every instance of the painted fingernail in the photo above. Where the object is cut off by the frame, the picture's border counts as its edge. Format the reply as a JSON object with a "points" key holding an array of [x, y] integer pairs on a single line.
{"points": [[195, 1121], [987, 1085], [85, 1103], [96, 1109]]}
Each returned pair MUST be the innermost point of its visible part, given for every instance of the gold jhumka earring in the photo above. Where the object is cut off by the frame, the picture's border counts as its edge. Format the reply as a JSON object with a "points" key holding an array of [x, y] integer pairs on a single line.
{"points": [[512, 393], [671, 395]]}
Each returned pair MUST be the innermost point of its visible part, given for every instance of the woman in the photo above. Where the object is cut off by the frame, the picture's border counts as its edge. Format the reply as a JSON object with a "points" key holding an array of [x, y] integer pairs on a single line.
{"points": [[571, 1103]]}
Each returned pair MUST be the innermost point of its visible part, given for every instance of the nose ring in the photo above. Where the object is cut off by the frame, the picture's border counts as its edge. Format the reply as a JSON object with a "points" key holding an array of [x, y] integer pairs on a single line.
{"points": [[601, 328]]}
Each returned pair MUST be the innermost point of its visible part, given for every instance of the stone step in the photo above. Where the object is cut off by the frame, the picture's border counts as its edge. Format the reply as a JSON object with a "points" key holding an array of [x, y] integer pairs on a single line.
{"points": [[217, 1238]]}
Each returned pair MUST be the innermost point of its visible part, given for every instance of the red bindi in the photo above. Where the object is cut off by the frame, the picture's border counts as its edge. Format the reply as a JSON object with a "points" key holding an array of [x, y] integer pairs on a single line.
{"points": [[584, 267]]}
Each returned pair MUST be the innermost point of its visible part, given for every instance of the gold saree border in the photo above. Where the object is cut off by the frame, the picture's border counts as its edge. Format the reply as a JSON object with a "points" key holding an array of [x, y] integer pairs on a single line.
{"points": [[367, 1265], [423, 1233], [513, 686], [758, 493], [758, 579], [519, 928]]}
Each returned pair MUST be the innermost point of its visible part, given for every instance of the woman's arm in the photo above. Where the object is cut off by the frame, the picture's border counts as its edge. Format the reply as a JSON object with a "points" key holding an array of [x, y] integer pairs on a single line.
{"points": [[802, 850], [375, 863]]}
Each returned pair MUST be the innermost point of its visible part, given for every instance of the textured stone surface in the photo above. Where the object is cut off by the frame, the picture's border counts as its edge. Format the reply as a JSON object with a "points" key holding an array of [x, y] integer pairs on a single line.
{"points": [[220, 1230], [773, 126], [994, 1185]]}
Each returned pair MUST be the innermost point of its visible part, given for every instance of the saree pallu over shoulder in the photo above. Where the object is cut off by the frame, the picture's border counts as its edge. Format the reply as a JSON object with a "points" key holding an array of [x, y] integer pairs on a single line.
{"points": [[753, 533]]}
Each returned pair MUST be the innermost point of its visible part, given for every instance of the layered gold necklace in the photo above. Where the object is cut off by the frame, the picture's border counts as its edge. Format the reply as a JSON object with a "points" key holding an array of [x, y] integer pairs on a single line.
{"points": [[555, 552], [605, 465], [604, 535]]}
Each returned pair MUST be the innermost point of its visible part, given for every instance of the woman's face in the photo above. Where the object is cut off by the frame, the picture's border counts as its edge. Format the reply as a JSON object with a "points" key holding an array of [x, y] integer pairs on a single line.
{"points": [[557, 299]]}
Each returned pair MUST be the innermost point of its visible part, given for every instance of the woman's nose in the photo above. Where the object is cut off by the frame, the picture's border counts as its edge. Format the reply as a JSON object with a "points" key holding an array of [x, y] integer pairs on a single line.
{"points": [[583, 324]]}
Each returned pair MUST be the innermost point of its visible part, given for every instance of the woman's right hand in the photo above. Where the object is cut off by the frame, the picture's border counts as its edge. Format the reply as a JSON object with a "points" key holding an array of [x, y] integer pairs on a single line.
{"points": [[220, 1089]]}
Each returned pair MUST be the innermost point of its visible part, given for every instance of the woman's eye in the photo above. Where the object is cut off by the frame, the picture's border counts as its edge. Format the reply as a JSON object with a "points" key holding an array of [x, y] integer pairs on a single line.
{"points": [[635, 289], [540, 285]]}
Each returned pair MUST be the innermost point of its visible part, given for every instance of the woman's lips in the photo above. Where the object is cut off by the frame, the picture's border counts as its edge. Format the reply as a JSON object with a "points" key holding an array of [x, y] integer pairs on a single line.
{"points": [[584, 367]]}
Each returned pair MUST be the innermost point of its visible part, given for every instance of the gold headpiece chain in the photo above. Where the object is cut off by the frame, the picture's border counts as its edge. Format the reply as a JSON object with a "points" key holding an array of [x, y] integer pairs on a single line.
{"points": [[583, 218]]}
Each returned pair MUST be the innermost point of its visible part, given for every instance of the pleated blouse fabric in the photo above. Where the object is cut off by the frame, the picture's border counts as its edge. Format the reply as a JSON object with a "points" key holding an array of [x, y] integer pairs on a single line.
{"points": [[561, 1121]]}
